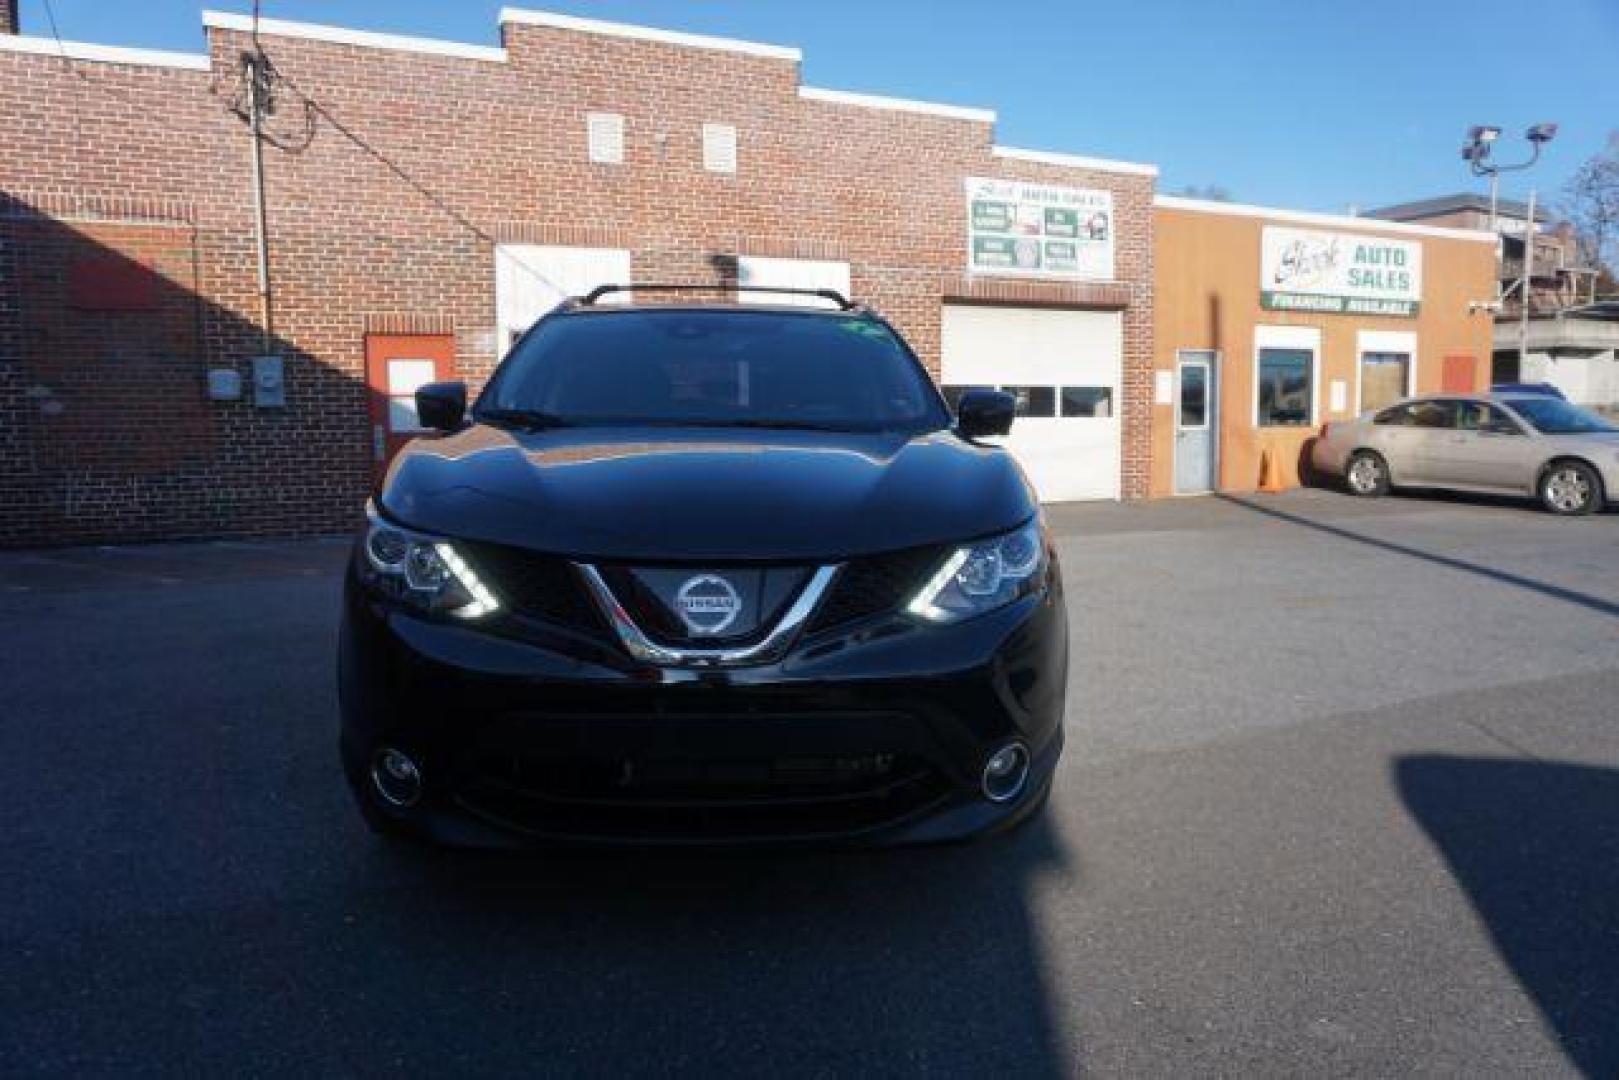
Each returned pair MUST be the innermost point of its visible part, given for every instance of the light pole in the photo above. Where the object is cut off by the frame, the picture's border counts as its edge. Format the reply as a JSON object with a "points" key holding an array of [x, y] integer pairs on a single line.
{"points": [[1477, 152]]}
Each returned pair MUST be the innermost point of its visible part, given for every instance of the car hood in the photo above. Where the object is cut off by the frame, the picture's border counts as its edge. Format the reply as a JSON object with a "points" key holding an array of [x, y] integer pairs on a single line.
{"points": [[666, 494], [1590, 440]]}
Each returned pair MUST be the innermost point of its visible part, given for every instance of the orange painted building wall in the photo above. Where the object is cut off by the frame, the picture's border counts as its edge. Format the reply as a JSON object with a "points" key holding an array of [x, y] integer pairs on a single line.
{"points": [[1207, 277]]}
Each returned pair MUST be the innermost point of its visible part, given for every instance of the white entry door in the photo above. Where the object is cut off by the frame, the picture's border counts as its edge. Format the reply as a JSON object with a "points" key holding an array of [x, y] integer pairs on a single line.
{"points": [[790, 274], [1066, 369]]}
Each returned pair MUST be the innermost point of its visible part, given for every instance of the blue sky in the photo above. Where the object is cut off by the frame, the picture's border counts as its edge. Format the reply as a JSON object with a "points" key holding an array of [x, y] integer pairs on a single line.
{"points": [[1300, 103]]}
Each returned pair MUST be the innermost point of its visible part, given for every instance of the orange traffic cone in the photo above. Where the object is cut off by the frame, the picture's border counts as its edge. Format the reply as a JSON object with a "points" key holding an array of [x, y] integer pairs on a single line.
{"points": [[1270, 474]]}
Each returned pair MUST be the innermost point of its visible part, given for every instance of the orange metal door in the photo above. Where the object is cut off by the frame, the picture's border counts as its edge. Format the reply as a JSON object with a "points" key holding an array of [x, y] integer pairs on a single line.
{"points": [[1459, 375], [395, 365]]}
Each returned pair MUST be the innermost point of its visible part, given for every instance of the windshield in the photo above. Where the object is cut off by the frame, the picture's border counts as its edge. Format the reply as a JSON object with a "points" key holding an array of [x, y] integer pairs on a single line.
{"points": [[1553, 416], [714, 368]]}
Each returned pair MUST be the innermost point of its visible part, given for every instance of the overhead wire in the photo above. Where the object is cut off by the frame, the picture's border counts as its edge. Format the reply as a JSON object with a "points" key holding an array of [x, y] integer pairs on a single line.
{"points": [[315, 111]]}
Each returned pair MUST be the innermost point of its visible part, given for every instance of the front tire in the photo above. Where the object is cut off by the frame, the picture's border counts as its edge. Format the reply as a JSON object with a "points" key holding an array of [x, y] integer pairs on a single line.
{"points": [[1570, 488], [1367, 474]]}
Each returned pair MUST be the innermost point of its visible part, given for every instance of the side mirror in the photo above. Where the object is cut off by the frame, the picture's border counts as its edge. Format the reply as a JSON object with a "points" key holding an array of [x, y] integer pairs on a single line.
{"points": [[442, 405], [983, 413]]}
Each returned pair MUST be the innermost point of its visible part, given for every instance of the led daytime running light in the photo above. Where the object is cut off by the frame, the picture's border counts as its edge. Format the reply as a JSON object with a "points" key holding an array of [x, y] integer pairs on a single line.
{"points": [[922, 604], [483, 601]]}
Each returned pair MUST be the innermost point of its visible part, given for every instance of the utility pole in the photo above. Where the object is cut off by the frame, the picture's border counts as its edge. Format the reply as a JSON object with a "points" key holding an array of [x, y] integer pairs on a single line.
{"points": [[257, 85], [1523, 286]]}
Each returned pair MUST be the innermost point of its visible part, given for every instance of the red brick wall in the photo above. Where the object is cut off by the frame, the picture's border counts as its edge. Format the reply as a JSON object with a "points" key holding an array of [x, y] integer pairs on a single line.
{"points": [[500, 148]]}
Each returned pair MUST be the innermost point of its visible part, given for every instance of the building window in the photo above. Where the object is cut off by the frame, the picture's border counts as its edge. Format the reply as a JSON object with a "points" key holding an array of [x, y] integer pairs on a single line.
{"points": [[605, 136], [1286, 387], [953, 394], [1194, 396], [719, 148], [1034, 400], [1092, 402], [1384, 377]]}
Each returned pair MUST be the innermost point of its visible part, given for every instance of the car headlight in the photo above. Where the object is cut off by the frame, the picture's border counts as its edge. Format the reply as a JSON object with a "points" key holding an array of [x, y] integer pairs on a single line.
{"points": [[424, 571], [983, 576]]}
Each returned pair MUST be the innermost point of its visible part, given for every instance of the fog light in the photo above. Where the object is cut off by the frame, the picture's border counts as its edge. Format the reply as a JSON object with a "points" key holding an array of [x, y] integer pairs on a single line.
{"points": [[396, 777], [1005, 773]]}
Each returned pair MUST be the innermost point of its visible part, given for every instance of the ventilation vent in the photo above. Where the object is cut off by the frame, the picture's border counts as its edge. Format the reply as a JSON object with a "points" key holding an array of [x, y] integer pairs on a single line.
{"points": [[606, 133], [719, 148]]}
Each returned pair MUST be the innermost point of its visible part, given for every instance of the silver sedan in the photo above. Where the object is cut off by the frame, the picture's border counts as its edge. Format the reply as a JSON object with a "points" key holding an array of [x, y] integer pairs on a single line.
{"points": [[1507, 444]]}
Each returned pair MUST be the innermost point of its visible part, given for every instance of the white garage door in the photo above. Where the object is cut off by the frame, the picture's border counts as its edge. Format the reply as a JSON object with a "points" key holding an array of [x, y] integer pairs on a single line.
{"points": [[531, 279], [1065, 368]]}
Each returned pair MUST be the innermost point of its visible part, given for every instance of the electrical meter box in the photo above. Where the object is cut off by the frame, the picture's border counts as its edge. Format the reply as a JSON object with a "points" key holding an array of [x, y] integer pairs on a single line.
{"points": [[224, 384], [269, 382]]}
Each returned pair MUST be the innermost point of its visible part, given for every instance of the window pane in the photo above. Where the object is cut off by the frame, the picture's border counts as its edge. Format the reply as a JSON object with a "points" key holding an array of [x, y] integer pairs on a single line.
{"points": [[1194, 395], [1399, 416], [1498, 421], [1433, 414], [1034, 400], [714, 367], [1472, 416], [952, 393], [1093, 402], [1285, 388], [1383, 379], [402, 418]]}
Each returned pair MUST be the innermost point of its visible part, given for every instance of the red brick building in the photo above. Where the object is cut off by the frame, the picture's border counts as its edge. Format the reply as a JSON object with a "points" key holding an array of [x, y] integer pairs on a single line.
{"points": [[425, 199]]}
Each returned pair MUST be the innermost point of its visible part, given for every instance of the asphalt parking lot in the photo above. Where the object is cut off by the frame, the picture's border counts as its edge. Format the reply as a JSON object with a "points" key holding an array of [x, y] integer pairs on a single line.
{"points": [[1341, 796]]}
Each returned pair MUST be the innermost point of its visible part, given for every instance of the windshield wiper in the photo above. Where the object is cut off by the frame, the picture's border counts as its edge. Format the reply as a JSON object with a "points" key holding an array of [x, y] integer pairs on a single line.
{"points": [[528, 419]]}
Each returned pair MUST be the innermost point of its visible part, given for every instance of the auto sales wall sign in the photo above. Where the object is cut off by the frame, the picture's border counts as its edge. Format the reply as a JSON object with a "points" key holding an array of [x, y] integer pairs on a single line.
{"points": [[1016, 229], [1339, 273]]}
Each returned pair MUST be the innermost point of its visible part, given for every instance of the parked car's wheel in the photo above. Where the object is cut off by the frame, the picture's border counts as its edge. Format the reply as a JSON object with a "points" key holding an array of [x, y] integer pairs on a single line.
{"points": [[1367, 474], [1570, 487]]}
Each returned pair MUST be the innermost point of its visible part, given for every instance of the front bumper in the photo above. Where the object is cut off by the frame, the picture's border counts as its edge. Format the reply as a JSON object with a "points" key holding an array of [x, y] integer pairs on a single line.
{"points": [[532, 734], [1328, 458]]}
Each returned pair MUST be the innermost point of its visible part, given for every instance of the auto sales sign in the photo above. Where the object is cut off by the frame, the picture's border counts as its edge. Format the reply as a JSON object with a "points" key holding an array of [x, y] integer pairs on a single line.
{"points": [[1039, 230], [1339, 273]]}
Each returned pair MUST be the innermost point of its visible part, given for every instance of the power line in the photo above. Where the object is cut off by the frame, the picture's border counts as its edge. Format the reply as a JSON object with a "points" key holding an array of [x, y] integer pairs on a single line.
{"points": [[418, 186], [314, 110], [75, 69]]}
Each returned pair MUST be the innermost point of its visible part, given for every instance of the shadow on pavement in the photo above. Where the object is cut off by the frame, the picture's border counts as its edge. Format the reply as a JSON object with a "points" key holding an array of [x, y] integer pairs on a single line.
{"points": [[1536, 847], [907, 961], [310, 948], [1505, 577]]}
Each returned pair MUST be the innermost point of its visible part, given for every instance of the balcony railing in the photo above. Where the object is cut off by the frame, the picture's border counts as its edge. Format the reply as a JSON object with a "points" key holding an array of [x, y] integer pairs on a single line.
{"points": [[1546, 266]]}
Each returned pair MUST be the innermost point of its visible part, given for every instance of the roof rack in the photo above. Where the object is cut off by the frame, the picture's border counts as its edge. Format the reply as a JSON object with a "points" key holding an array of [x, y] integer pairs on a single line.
{"points": [[590, 298]]}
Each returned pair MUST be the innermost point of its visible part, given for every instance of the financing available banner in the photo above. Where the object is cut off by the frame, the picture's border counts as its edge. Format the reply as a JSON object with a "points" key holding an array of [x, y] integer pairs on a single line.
{"points": [[1339, 273], [1039, 230]]}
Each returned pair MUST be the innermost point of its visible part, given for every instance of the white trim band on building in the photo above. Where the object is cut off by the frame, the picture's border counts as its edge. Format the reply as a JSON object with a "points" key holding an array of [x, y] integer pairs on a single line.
{"points": [[342, 35], [105, 54], [1074, 161], [1305, 217], [526, 17], [877, 101]]}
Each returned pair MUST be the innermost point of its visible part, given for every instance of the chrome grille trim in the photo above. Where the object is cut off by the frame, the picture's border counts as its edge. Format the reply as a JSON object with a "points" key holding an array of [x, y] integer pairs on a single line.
{"points": [[644, 648]]}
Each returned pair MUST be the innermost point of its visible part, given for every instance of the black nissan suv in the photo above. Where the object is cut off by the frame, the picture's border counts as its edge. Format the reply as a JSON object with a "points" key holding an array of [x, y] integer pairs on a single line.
{"points": [[710, 573]]}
